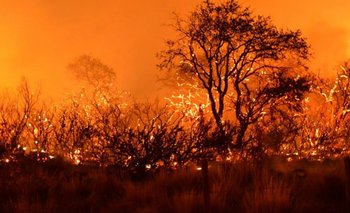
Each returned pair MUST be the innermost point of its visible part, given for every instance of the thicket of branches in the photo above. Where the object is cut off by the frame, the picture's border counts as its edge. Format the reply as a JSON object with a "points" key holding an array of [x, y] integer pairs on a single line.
{"points": [[95, 128], [105, 129], [243, 92], [245, 65]]}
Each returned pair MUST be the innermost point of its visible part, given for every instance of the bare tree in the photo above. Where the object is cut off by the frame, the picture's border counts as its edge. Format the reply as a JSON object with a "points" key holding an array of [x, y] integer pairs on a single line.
{"points": [[74, 130], [93, 71], [14, 114], [39, 132], [240, 60]]}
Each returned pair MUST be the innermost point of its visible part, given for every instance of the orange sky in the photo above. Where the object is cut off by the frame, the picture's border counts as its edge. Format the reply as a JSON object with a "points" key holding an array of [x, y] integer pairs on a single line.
{"points": [[325, 24], [38, 38]]}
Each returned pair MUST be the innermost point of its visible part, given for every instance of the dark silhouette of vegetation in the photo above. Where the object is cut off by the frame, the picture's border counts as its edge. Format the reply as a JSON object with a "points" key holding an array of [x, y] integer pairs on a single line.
{"points": [[268, 133], [93, 71], [60, 187], [259, 100], [14, 115], [243, 63]]}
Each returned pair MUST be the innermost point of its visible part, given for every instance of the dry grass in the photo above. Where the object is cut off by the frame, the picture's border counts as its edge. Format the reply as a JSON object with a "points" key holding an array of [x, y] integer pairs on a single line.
{"points": [[59, 187]]}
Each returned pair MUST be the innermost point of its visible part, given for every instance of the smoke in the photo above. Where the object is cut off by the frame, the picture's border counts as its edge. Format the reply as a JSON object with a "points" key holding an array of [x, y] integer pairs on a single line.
{"points": [[329, 47], [324, 23], [40, 38]]}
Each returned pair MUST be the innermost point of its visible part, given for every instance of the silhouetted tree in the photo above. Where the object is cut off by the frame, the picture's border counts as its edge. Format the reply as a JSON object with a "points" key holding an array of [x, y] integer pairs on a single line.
{"points": [[242, 61], [74, 130], [92, 71], [154, 138], [14, 114], [39, 129]]}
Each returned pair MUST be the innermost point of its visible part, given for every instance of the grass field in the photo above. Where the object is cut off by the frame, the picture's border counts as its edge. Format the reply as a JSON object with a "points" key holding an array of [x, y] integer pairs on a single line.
{"points": [[269, 186]]}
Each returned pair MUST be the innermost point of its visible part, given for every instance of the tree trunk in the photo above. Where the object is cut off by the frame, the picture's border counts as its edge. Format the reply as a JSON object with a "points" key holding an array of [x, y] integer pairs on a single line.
{"points": [[240, 136]]}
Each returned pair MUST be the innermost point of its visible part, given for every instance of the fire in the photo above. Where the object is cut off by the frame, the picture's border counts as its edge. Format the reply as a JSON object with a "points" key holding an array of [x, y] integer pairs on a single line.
{"points": [[89, 128]]}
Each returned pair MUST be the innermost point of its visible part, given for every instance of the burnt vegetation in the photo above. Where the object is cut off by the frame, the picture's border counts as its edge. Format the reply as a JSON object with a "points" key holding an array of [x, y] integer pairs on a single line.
{"points": [[243, 97]]}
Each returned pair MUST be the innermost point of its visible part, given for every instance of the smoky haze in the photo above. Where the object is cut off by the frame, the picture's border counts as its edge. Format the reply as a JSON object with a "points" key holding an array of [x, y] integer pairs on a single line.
{"points": [[324, 23], [40, 38]]}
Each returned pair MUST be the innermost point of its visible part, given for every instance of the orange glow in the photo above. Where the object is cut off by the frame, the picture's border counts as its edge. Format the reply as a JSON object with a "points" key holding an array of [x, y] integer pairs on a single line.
{"points": [[324, 23], [39, 38]]}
